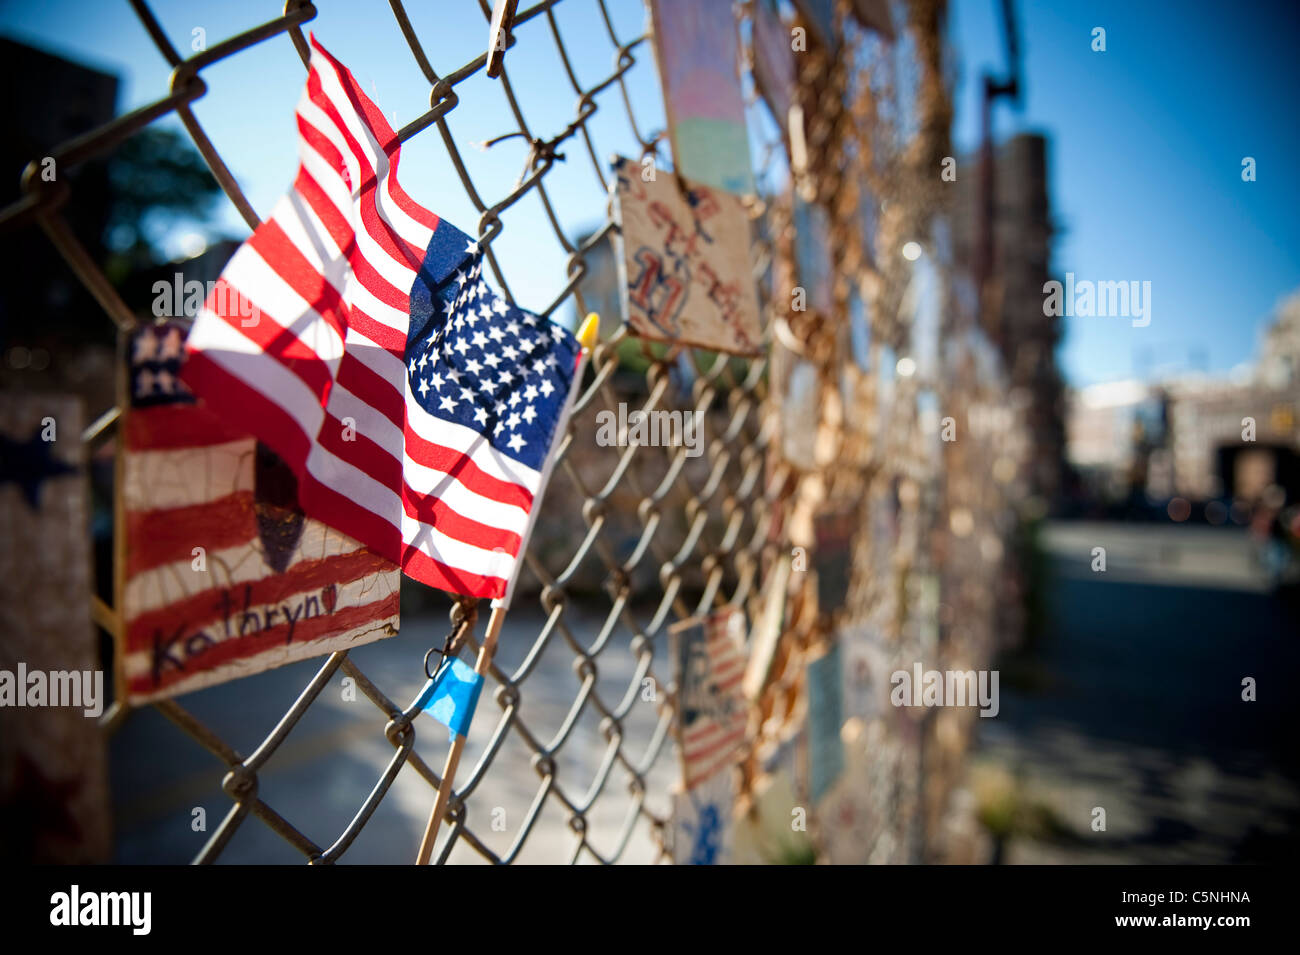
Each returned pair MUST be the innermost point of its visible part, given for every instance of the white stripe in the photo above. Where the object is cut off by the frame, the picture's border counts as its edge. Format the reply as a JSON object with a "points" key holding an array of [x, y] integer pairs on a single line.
{"points": [[331, 85], [281, 305], [424, 482], [228, 567], [368, 421], [295, 217], [182, 477], [378, 359], [453, 552], [243, 358], [397, 271]]}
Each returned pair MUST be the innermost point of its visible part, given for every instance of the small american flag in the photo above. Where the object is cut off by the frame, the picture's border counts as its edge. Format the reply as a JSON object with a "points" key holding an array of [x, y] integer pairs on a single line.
{"points": [[711, 710], [355, 335]]}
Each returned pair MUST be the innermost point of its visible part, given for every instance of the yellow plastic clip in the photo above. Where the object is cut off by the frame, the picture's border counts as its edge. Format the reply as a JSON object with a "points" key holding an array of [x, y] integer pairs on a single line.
{"points": [[590, 331]]}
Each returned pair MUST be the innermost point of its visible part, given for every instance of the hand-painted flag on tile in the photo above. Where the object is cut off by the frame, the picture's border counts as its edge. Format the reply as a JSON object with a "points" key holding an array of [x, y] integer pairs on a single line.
{"points": [[711, 709], [355, 335], [225, 576]]}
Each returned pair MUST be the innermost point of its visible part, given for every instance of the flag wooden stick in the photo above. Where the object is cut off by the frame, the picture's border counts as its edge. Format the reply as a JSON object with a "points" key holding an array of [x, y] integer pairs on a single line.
{"points": [[458, 744], [587, 338]]}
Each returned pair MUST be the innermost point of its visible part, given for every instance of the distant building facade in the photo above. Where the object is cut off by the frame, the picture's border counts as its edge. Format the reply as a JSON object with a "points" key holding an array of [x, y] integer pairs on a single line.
{"points": [[1012, 315], [1227, 436]]}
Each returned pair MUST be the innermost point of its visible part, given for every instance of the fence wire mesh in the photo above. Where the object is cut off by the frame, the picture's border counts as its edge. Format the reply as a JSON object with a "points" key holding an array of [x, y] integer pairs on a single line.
{"points": [[634, 538]]}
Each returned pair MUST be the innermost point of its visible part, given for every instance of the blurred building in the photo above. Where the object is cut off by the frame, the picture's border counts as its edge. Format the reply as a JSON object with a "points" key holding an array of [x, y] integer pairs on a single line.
{"points": [[1012, 314], [51, 101], [1205, 436]]}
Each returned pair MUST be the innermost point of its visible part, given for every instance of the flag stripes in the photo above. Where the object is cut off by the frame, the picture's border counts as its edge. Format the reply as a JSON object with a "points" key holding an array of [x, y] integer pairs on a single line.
{"points": [[320, 372], [223, 576], [711, 709]]}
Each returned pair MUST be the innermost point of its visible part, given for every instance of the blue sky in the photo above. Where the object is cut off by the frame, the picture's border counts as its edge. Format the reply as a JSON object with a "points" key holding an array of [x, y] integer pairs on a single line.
{"points": [[1146, 139], [1146, 147]]}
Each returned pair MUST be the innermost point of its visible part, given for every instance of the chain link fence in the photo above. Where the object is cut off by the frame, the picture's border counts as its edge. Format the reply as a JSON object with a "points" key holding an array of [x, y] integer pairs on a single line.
{"points": [[633, 539]]}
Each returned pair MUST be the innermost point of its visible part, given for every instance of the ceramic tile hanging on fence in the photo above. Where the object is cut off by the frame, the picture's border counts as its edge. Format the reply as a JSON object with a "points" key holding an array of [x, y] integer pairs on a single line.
{"points": [[225, 577], [697, 46], [684, 262]]}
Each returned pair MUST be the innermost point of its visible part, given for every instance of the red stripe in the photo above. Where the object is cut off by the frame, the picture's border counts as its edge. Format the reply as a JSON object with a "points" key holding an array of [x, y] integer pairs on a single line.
{"points": [[284, 435], [728, 684], [393, 246], [721, 669], [462, 467], [430, 509], [305, 184], [418, 565], [287, 261], [276, 341], [385, 336], [713, 726], [360, 451], [180, 426], [162, 536], [390, 339], [384, 134], [341, 232], [728, 740], [371, 388], [374, 223], [249, 647], [207, 607]]}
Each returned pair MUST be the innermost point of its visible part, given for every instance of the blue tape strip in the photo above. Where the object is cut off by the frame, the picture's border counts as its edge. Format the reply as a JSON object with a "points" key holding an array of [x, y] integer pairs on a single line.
{"points": [[452, 696]]}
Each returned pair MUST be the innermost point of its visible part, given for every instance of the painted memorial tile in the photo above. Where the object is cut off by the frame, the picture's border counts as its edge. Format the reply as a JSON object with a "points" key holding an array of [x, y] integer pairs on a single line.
{"points": [[924, 295], [53, 765], [868, 222], [711, 711], [225, 577], [684, 263], [702, 821], [773, 60], [697, 47], [929, 433], [787, 756], [825, 718]]}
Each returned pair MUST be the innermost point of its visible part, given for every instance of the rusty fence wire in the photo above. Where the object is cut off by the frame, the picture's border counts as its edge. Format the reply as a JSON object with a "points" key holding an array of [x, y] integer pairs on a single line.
{"points": [[633, 539]]}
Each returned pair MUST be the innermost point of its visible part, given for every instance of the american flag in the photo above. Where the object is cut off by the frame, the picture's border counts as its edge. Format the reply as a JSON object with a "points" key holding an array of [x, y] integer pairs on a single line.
{"points": [[355, 335], [711, 710], [225, 576]]}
